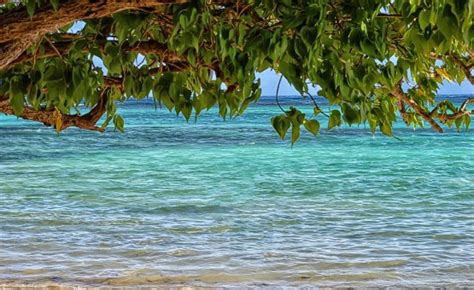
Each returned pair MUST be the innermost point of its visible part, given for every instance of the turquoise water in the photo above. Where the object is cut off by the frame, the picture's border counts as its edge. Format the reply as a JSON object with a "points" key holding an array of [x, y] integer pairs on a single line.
{"points": [[227, 203]]}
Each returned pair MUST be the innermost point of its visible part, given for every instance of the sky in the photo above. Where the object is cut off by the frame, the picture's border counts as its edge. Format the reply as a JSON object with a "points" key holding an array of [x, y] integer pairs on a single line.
{"points": [[270, 80]]}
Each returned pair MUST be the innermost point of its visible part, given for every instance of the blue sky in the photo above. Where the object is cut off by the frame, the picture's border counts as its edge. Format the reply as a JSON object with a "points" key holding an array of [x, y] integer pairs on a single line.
{"points": [[270, 80]]}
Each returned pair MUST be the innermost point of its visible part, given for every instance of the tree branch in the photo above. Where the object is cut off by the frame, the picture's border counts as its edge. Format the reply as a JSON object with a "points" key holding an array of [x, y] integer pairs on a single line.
{"points": [[460, 112], [49, 117], [465, 68], [401, 96], [386, 15], [18, 30], [63, 47], [403, 112]]}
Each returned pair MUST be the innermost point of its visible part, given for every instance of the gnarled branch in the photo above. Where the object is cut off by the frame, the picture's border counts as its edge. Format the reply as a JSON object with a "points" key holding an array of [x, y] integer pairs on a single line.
{"points": [[18, 30], [401, 96], [63, 47], [462, 111], [430, 117], [49, 117]]}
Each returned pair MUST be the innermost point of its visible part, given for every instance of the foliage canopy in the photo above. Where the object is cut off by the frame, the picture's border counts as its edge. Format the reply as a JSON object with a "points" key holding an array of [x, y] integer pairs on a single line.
{"points": [[194, 55]]}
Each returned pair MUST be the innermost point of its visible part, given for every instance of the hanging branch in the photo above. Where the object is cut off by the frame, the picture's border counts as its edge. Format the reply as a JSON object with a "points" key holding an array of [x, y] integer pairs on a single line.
{"points": [[276, 95], [316, 104], [49, 117]]}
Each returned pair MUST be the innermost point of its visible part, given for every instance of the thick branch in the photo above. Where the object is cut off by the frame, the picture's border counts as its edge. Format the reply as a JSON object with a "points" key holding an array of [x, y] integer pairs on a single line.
{"points": [[18, 31], [403, 112], [49, 117], [145, 47]]}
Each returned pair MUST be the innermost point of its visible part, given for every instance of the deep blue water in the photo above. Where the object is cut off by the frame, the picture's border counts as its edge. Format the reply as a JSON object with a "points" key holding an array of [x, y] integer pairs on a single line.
{"points": [[228, 203]]}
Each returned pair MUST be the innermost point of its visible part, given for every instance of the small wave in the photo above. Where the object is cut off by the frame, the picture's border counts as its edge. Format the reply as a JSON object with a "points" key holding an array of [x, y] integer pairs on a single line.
{"points": [[442, 237], [137, 253], [382, 264], [364, 264], [184, 253], [186, 209], [203, 230], [246, 143]]}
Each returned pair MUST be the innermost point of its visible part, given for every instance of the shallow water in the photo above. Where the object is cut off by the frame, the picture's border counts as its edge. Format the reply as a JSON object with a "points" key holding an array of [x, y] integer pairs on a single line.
{"points": [[226, 203]]}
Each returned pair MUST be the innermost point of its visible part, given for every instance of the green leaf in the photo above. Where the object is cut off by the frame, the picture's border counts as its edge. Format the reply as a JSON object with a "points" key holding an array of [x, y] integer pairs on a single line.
{"points": [[334, 119], [424, 19], [300, 117], [223, 109], [281, 124], [30, 7], [17, 102], [372, 122], [186, 110], [368, 48], [295, 133], [312, 126], [291, 73], [458, 123], [17, 95], [447, 23], [351, 115], [128, 83], [55, 4], [467, 121], [386, 129], [106, 122], [276, 123], [119, 123]]}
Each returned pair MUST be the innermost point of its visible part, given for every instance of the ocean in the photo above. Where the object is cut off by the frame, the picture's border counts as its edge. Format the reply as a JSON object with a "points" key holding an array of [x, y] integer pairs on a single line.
{"points": [[226, 203]]}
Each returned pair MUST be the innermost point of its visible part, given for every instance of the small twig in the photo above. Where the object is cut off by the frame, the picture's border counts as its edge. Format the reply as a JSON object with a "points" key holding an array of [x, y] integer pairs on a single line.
{"points": [[36, 52], [465, 103], [435, 109], [316, 104], [53, 47], [276, 95], [393, 7], [140, 64], [389, 15]]}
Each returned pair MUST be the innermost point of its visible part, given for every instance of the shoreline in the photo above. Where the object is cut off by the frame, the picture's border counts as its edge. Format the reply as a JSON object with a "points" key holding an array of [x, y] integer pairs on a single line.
{"points": [[11, 284]]}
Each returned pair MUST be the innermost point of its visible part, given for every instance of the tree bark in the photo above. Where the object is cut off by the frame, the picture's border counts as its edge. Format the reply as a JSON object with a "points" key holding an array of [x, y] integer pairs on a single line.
{"points": [[401, 96], [461, 111], [146, 47], [19, 31], [50, 117]]}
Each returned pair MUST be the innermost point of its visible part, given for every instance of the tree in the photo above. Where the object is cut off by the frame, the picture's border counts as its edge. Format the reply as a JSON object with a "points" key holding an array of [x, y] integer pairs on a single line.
{"points": [[56, 55]]}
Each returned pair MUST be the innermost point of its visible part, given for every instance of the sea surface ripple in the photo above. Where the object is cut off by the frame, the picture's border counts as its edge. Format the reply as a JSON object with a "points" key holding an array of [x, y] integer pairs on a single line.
{"points": [[212, 203]]}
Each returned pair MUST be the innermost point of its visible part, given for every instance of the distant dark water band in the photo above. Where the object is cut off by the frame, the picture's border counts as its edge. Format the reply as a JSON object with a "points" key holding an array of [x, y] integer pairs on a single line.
{"points": [[296, 100]]}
